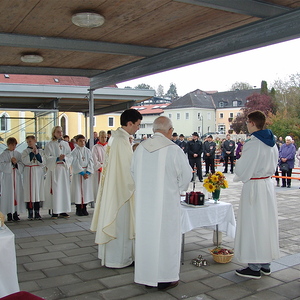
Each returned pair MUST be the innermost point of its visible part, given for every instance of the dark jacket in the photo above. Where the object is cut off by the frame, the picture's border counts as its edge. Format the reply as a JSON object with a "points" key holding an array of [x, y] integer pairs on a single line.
{"points": [[229, 145], [194, 147], [209, 147], [183, 145]]}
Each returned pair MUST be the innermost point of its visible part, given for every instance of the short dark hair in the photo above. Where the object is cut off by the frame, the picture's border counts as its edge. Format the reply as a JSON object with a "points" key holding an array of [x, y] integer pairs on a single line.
{"points": [[79, 136], [66, 136], [130, 115], [12, 141], [258, 118], [30, 137]]}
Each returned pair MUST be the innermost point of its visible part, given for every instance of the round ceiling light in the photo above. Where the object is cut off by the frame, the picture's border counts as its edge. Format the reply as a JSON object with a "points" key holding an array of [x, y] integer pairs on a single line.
{"points": [[87, 19], [32, 58]]}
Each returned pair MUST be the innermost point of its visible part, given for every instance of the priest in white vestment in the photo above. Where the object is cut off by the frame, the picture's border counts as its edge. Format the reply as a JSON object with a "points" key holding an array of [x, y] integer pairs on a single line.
{"points": [[57, 183], [161, 171], [256, 241], [113, 218]]}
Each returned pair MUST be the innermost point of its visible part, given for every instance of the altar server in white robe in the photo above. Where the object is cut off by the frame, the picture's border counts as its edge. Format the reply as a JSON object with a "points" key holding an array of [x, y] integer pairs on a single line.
{"points": [[98, 152], [113, 218], [161, 171], [57, 183], [82, 182], [256, 241], [12, 195], [33, 177]]}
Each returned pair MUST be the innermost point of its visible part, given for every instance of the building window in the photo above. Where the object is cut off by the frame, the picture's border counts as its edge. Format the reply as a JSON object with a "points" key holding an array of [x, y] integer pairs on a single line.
{"points": [[221, 104], [187, 116], [111, 121], [238, 114], [234, 103], [199, 116], [170, 116], [230, 115], [63, 124], [143, 125], [4, 122], [221, 129], [208, 116], [178, 116], [221, 115]]}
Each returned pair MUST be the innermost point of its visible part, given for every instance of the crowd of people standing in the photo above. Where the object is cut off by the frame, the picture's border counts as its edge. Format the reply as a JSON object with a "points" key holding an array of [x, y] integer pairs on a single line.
{"points": [[64, 172], [137, 190]]}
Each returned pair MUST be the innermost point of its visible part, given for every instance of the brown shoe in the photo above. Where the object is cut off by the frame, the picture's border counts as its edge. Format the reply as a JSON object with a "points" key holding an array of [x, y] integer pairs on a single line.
{"points": [[163, 286]]}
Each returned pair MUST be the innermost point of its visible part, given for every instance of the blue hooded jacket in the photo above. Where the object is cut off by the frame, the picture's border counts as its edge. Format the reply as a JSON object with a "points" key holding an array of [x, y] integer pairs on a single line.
{"points": [[266, 136]]}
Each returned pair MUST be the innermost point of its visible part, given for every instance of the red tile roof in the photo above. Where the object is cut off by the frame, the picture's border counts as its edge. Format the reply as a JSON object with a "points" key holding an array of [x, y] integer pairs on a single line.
{"points": [[152, 109]]}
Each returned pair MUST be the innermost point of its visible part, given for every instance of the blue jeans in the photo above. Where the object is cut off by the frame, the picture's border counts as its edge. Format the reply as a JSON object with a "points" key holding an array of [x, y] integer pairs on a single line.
{"points": [[257, 267]]}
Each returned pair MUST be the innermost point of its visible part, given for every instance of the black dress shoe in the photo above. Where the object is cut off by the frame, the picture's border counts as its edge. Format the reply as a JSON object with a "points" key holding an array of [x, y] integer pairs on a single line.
{"points": [[9, 217], [248, 273], [283, 186], [64, 215], [16, 216], [163, 286], [288, 186]]}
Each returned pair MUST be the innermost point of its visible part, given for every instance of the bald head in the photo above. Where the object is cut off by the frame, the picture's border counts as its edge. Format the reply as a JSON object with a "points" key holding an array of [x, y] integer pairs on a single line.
{"points": [[163, 125]]}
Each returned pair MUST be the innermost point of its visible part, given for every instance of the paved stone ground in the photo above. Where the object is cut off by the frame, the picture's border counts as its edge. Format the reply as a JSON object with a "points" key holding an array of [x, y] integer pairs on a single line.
{"points": [[57, 259]]}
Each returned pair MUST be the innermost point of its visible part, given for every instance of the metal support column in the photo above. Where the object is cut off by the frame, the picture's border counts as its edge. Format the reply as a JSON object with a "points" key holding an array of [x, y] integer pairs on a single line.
{"points": [[91, 114], [85, 125]]}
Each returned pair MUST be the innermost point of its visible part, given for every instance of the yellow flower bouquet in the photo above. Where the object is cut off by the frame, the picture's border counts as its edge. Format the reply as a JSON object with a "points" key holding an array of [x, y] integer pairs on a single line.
{"points": [[215, 181]]}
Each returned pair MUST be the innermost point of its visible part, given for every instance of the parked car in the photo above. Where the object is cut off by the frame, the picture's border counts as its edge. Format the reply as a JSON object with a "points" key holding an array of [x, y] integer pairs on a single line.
{"points": [[209, 133]]}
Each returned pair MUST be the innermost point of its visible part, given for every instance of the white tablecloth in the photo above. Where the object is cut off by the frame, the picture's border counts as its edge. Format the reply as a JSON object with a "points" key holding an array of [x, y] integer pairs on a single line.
{"points": [[8, 267], [209, 215]]}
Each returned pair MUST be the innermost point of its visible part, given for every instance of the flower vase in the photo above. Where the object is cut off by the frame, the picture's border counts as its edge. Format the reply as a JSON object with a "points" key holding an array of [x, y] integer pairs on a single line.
{"points": [[216, 195]]}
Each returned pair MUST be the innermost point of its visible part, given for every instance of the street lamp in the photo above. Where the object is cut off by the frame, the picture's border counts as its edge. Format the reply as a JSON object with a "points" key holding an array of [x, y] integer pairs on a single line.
{"points": [[201, 119]]}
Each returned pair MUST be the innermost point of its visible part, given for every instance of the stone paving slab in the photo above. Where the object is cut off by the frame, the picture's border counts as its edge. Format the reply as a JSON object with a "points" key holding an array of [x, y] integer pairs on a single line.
{"points": [[62, 262]]}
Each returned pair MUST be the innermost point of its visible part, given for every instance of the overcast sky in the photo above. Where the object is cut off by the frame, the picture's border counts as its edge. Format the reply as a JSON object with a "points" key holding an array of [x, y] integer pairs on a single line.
{"points": [[268, 63]]}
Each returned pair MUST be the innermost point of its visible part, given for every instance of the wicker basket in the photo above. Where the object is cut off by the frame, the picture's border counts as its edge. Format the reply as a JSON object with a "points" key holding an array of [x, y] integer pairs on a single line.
{"points": [[220, 258]]}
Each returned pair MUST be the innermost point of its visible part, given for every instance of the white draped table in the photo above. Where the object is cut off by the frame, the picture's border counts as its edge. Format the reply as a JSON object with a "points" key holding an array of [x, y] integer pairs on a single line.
{"points": [[216, 216], [8, 266]]}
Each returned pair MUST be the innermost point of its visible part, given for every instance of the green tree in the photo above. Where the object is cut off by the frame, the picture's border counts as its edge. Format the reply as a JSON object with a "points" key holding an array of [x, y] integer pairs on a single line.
{"points": [[160, 91], [264, 88], [288, 95], [241, 86], [172, 92], [143, 86], [283, 125]]}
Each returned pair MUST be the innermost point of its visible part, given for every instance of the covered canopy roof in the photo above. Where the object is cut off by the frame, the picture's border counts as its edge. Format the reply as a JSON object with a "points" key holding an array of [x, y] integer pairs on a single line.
{"points": [[139, 37], [67, 98]]}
